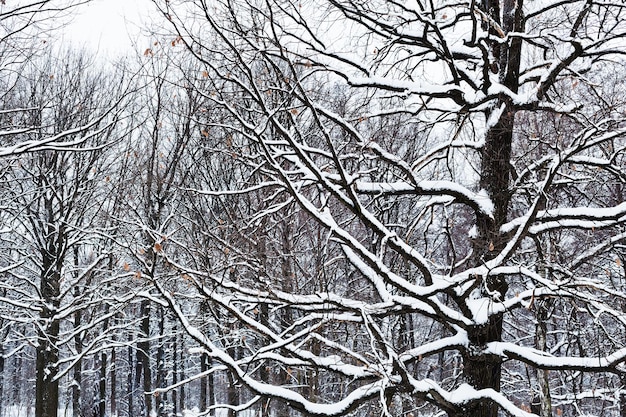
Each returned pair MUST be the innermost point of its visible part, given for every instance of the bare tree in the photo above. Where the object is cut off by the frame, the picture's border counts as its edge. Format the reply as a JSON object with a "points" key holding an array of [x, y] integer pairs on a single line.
{"points": [[51, 201], [27, 31], [447, 222], [158, 156]]}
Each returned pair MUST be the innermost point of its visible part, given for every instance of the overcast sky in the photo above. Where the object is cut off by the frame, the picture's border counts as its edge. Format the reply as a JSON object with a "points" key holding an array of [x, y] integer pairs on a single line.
{"points": [[110, 27]]}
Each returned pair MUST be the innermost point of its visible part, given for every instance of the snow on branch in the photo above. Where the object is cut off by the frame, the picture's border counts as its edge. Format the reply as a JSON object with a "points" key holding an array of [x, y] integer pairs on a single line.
{"points": [[544, 360]]}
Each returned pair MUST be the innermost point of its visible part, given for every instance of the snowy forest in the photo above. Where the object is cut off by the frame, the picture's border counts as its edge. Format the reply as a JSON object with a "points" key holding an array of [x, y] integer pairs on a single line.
{"points": [[316, 208]]}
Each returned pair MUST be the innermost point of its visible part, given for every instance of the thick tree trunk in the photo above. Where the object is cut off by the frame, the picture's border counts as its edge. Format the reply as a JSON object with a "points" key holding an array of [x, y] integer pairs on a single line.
{"points": [[233, 395], [47, 351], [46, 387], [482, 370]]}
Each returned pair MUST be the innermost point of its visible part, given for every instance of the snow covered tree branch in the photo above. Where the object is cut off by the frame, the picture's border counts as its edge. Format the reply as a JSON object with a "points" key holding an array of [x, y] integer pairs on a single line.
{"points": [[424, 199]]}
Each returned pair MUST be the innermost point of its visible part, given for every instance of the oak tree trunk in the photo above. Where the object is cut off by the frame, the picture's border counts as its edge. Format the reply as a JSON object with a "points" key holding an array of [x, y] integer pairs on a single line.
{"points": [[47, 351], [483, 370]]}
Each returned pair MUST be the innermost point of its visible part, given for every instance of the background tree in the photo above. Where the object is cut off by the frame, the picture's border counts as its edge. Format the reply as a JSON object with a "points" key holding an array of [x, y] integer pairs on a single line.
{"points": [[158, 164], [51, 200], [26, 31]]}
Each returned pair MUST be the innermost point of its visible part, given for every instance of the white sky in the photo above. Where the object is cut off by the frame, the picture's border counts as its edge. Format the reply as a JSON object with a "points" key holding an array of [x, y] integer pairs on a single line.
{"points": [[110, 27]]}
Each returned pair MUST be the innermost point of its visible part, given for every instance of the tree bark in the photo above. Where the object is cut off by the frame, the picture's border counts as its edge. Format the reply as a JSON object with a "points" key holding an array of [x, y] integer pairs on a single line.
{"points": [[2, 405], [78, 346], [545, 400], [144, 371], [102, 385], [622, 397], [113, 377], [204, 366], [130, 381], [483, 370], [161, 399], [181, 372], [175, 409], [47, 351]]}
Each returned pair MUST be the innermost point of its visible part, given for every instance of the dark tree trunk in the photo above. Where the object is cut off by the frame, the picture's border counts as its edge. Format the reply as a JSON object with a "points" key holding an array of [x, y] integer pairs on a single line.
{"points": [[233, 395], [175, 378], [76, 389], [622, 398], [2, 381], [78, 367], [16, 385], [204, 366], [113, 376], [211, 385], [264, 371], [263, 314], [130, 381], [482, 370], [541, 336], [47, 351], [181, 371], [46, 387], [2, 364], [143, 369], [161, 399], [102, 385]]}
